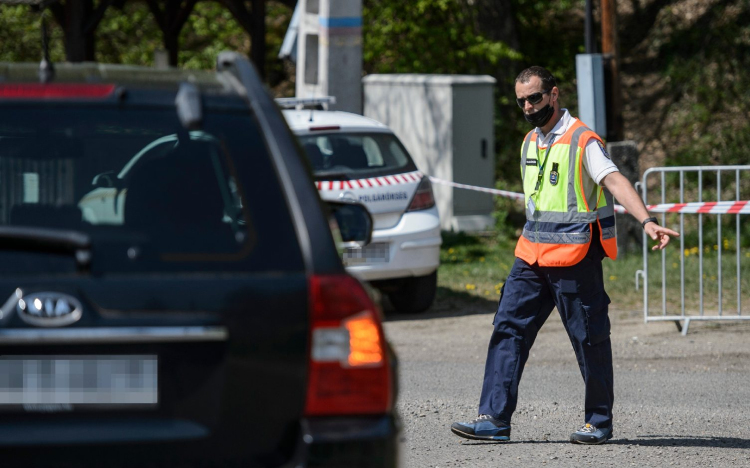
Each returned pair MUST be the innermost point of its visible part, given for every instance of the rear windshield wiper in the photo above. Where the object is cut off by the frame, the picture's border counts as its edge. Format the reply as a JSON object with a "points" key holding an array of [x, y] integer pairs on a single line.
{"points": [[47, 240]]}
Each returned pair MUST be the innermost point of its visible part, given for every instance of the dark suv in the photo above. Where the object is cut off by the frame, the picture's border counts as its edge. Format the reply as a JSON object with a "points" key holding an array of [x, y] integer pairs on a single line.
{"points": [[172, 292]]}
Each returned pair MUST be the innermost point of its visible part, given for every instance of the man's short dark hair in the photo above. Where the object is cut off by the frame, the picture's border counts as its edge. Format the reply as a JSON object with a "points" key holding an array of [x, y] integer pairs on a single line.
{"points": [[548, 81]]}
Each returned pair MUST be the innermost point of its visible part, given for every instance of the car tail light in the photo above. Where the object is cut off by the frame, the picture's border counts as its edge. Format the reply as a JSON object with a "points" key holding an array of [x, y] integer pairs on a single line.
{"points": [[424, 198], [54, 90], [349, 368]]}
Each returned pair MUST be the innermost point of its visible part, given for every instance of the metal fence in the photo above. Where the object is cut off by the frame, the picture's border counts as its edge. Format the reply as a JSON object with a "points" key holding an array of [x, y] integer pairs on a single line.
{"points": [[707, 279]]}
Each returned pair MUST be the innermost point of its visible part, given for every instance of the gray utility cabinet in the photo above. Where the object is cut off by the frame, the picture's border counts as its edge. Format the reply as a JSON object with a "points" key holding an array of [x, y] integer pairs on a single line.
{"points": [[446, 123]]}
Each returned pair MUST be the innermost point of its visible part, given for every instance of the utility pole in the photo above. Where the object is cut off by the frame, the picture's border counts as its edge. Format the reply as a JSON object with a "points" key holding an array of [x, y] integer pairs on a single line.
{"points": [[589, 29], [610, 51]]}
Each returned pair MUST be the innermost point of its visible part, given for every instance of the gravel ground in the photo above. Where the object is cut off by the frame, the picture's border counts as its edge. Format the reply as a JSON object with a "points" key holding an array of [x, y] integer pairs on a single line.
{"points": [[679, 401]]}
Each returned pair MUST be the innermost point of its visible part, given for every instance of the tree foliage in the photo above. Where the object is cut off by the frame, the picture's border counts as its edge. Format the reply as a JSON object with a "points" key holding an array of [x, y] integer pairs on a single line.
{"points": [[427, 36], [455, 37], [691, 82], [130, 35], [21, 37], [683, 62]]}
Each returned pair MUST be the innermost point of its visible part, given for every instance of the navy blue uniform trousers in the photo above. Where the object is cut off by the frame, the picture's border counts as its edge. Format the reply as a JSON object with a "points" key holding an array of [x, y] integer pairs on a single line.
{"points": [[528, 297]]}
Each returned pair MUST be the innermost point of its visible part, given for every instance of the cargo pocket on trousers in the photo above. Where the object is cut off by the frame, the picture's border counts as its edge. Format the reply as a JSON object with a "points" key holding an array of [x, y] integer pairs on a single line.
{"points": [[596, 312]]}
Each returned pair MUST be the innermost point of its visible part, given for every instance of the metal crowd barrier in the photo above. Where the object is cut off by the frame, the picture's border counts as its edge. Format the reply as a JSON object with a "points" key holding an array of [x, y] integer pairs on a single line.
{"points": [[710, 282]]}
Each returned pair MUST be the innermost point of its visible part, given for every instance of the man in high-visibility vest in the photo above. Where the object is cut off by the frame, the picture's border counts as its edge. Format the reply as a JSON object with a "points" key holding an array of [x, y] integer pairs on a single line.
{"points": [[567, 180]]}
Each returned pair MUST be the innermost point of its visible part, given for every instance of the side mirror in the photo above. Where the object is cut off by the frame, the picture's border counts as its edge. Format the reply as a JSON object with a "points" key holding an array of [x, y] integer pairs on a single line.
{"points": [[352, 222]]}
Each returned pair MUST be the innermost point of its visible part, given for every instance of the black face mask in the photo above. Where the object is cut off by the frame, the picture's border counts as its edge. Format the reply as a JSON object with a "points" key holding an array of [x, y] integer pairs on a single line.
{"points": [[540, 117]]}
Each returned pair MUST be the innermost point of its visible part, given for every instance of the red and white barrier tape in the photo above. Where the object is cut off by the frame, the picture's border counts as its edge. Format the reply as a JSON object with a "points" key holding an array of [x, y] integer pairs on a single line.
{"points": [[397, 179], [502, 193], [723, 207]]}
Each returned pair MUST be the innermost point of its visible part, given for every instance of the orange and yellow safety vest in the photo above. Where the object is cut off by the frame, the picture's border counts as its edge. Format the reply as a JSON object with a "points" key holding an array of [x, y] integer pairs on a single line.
{"points": [[559, 215]]}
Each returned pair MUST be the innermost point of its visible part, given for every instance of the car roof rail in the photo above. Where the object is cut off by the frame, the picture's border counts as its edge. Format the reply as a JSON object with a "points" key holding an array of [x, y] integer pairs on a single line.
{"points": [[319, 103]]}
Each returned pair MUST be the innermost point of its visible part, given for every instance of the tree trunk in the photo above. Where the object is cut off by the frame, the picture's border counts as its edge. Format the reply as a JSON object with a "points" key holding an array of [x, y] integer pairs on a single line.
{"points": [[258, 36], [253, 21], [171, 43], [73, 18], [171, 20]]}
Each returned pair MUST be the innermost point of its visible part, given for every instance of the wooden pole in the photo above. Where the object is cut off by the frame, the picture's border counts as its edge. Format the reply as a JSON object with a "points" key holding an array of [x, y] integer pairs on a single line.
{"points": [[610, 50]]}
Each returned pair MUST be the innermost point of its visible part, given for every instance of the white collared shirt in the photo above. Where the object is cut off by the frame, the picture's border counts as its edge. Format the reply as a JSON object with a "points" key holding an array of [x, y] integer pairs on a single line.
{"points": [[595, 161]]}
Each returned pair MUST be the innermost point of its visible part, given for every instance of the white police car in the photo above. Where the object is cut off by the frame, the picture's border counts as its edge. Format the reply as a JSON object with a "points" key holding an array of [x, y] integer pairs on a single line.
{"points": [[359, 159]]}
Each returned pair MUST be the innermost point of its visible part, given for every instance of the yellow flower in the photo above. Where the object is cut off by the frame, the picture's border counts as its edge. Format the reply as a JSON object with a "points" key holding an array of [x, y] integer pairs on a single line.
{"points": [[471, 287], [481, 259], [450, 251], [612, 277], [687, 252]]}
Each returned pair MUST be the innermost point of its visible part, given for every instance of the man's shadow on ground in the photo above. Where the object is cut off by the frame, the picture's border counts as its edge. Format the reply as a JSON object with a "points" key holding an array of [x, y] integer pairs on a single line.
{"points": [[646, 441], [682, 441]]}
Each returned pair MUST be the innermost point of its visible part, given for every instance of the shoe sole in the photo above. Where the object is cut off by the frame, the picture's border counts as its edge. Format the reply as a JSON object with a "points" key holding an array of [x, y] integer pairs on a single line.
{"points": [[466, 435], [595, 442]]}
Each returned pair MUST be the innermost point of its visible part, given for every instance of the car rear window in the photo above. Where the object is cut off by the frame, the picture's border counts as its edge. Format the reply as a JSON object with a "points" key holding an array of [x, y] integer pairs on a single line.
{"points": [[356, 155], [150, 195]]}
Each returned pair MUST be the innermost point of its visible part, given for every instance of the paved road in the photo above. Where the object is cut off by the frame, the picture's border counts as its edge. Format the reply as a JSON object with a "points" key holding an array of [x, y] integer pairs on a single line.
{"points": [[679, 401]]}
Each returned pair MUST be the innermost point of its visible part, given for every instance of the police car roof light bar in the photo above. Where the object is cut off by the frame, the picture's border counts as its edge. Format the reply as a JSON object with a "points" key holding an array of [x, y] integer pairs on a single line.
{"points": [[302, 103]]}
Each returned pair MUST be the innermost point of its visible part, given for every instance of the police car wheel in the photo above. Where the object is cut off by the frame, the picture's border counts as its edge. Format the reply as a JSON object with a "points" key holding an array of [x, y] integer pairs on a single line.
{"points": [[415, 294]]}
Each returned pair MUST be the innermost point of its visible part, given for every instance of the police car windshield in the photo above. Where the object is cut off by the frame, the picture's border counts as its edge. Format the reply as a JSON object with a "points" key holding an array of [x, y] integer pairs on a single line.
{"points": [[353, 155]]}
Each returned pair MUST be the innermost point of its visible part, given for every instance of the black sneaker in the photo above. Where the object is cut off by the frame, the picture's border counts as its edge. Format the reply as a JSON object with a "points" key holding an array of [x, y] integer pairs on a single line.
{"points": [[485, 427], [590, 435]]}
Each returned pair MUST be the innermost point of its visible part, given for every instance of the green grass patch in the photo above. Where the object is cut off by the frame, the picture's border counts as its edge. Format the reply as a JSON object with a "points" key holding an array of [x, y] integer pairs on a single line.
{"points": [[474, 265], [478, 265], [676, 278]]}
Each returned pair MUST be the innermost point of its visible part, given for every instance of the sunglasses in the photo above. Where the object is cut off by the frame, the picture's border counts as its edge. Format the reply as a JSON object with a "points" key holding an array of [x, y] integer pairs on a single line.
{"points": [[535, 98]]}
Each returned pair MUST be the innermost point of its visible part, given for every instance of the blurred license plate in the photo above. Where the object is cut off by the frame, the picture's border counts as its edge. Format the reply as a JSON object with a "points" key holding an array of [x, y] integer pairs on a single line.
{"points": [[377, 252], [61, 382]]}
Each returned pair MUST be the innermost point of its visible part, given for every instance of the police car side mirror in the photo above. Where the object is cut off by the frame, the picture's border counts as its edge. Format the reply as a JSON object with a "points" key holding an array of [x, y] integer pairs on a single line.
{"points": [[351, 223]]}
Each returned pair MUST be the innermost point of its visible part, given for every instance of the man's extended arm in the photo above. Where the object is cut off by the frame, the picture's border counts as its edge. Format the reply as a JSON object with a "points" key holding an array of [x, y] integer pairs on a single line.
{"points": [[626, 195]]}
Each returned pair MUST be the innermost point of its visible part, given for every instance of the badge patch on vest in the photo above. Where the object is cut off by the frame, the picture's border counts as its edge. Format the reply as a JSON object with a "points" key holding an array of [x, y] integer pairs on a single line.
{"points": [[604, 150], [531, 162], [554, 176]]}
